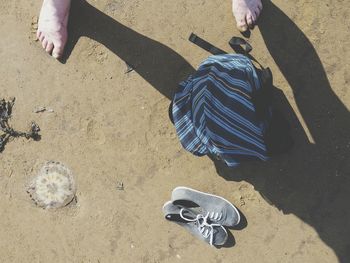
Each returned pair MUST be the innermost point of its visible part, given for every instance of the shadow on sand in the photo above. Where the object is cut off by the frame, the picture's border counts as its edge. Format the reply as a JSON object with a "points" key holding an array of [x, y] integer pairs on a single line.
{"points": [[159, 65], [312, 181]]}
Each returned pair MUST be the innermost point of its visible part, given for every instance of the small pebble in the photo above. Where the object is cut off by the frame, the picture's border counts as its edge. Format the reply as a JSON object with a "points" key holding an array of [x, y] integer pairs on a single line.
{"points": [[129, 68], [120, 186], [42, 109], [39, 109]]}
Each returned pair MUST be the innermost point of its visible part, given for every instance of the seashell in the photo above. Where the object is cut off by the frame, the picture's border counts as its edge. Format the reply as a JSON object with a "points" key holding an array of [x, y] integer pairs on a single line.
{"points": [[53, 187]]}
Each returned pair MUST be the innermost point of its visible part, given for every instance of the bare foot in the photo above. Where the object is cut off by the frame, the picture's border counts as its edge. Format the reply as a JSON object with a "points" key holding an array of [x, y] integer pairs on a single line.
{"points": [[52, 26], [246, 13]]}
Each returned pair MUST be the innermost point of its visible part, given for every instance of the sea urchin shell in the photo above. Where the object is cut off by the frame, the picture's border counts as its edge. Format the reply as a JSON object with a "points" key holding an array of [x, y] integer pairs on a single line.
{"points": [[53, 187]]}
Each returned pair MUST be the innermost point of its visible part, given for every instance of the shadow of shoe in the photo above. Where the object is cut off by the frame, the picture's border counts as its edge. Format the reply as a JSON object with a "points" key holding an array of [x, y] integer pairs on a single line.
{"points": [[231, 242]]}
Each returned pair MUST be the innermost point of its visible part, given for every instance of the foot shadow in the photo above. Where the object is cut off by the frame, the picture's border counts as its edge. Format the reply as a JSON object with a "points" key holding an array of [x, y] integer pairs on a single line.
{"points": [[312, 181], [159, 65]]}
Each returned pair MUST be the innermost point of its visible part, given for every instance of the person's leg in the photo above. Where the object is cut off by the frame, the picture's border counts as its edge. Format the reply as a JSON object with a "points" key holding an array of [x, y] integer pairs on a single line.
{"points": [[52, 26], [246, 13]]}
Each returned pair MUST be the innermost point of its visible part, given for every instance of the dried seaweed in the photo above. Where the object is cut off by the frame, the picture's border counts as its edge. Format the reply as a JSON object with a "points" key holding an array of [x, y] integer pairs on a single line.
{"points": [[7, 131]]}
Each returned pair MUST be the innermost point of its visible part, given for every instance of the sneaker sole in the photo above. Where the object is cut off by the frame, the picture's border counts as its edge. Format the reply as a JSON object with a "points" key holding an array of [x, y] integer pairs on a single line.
{"points": [[166, 204]]}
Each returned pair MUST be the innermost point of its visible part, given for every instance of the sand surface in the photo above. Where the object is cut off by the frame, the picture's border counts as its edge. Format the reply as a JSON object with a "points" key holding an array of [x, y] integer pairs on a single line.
{"points": [[110, 127]]}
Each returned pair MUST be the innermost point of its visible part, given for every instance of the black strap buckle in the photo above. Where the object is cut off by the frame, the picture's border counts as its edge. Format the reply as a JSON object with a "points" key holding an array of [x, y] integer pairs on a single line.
{"points": [[240, 45]]}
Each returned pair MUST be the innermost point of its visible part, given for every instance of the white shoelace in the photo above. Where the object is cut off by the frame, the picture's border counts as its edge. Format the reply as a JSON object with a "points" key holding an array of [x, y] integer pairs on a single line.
{"points": [[201, 221]]}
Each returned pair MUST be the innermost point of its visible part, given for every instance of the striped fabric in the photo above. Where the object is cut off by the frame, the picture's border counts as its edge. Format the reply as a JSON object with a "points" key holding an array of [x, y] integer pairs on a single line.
{"points": [[214, 114]]}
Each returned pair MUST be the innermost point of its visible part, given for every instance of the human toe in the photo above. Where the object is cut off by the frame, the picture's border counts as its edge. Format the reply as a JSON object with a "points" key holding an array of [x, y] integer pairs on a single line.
{"points": [[260, 6], [57, 50], [242, 24], [44, 43], [251, 18], [41, 37], [49, 47], [257, 13]]}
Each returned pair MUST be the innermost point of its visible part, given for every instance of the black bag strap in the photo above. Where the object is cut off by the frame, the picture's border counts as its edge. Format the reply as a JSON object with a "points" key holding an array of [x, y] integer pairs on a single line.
{"points": [[240, 46], [206, 45], [266, 77]]}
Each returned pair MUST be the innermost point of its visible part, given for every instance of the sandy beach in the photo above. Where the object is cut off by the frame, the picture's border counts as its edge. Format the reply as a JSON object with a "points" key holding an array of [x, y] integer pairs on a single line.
{"points": [[110, 126]]}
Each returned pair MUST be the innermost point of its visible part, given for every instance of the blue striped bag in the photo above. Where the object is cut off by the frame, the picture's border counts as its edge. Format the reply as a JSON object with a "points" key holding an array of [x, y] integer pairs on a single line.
{"points": [[224, 109]]}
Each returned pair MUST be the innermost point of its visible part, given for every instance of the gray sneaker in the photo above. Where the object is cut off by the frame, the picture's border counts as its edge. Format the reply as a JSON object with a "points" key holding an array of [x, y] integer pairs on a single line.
{"points": [[219, 210], [197, 224]]}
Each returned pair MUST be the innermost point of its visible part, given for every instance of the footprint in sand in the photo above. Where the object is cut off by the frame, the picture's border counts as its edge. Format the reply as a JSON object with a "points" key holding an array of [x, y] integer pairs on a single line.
{"points": [[94, 132], [161, 134]]}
